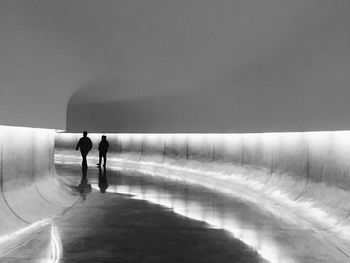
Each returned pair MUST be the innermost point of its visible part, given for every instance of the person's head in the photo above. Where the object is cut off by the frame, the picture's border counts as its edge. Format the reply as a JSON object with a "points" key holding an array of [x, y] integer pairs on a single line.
{"points": [[85, 133], [104, 137]]}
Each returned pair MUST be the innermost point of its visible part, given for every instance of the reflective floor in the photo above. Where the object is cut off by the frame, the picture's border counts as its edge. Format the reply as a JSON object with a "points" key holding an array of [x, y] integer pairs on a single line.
{"points": [[133, 222], [132, 217]]}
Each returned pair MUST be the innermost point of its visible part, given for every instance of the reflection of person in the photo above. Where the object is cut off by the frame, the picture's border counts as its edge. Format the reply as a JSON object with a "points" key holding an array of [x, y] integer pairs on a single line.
{"points": [[84, 188], [102, 180], [85, 146], [103, 149]]}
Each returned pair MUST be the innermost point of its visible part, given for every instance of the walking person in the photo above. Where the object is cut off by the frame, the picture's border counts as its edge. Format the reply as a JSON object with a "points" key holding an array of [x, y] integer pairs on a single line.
{"points": [[85, 146], [103, 149]]}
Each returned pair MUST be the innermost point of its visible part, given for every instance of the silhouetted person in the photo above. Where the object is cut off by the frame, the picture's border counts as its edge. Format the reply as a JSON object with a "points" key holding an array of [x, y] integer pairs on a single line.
{"points": [[85, 146], [102, 180], [103, 149]]}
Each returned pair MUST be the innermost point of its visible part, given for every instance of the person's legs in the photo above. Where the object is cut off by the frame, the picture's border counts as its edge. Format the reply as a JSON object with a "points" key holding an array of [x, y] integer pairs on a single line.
{"points": [[104, 159], [84, 158], [100, 159]]}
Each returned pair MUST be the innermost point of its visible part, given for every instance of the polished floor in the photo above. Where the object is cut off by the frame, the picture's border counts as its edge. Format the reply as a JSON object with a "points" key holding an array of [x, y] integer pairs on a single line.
{"points": [[126, 216], [127, 223]]}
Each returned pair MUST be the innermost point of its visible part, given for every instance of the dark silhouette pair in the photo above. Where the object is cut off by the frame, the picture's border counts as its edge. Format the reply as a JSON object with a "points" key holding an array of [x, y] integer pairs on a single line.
{"points": [[85, 145]]}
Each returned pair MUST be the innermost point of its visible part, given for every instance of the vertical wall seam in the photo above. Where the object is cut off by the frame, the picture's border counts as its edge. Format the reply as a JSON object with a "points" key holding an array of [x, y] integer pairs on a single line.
{"points": [[272, 159], [213, 150], [242, 151], [33, 156], [307, 171], [187, 147], [120, 145], [141, 148]]}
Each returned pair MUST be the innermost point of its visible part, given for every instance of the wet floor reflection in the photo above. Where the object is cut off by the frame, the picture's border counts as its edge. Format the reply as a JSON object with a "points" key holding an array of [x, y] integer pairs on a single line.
{"points": [[198, 204], [84, 187], [276, 240], [102, 179]]}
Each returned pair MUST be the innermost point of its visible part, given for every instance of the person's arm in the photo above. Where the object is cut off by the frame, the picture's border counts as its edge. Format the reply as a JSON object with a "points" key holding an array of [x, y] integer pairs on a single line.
{"points": [[90, 144], [78, 145]]}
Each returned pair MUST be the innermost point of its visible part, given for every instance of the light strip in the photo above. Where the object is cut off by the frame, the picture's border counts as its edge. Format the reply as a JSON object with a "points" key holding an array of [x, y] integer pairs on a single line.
{"points": [[55, 245], [8, 241], [24, 231]]}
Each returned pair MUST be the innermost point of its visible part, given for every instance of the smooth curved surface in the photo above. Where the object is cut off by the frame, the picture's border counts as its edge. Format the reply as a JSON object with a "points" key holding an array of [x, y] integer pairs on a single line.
{"points": [[306, 173], [31, 193]]}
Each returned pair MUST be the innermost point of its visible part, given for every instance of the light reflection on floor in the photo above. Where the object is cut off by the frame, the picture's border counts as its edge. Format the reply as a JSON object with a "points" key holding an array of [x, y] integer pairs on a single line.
{"points": [[12, 243], [276, 240], [55, 245], [195, 210]]}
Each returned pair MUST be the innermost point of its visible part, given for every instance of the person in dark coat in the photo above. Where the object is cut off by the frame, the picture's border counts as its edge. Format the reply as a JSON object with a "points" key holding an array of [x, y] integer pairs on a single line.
{"points": [[103, 149], [85, 146]]}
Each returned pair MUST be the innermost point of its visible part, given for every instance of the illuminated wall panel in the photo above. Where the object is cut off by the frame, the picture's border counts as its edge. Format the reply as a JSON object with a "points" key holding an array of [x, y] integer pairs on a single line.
{"points": [[42, 142], [63, 140], [253, 150], [153, 144], [330, 158], [153, 147], [114, 144], [176, 146], [228, 148], [200, 147], [290, 154], [131, 143], [306, 157], [29, 189]]}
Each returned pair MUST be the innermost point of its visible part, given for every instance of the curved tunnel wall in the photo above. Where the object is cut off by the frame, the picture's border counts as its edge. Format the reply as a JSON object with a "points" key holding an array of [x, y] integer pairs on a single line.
{"points": [[309, 167], [31, 194], [303, 175], [316, 156]]}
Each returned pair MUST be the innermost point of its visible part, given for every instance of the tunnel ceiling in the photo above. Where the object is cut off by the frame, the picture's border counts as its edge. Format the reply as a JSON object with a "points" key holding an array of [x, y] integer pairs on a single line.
{"points": [[115, 51]]}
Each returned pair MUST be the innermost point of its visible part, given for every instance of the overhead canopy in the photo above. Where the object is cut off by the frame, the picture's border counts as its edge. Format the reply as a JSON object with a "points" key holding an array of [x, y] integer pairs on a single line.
{"points": [[268, 65]]}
